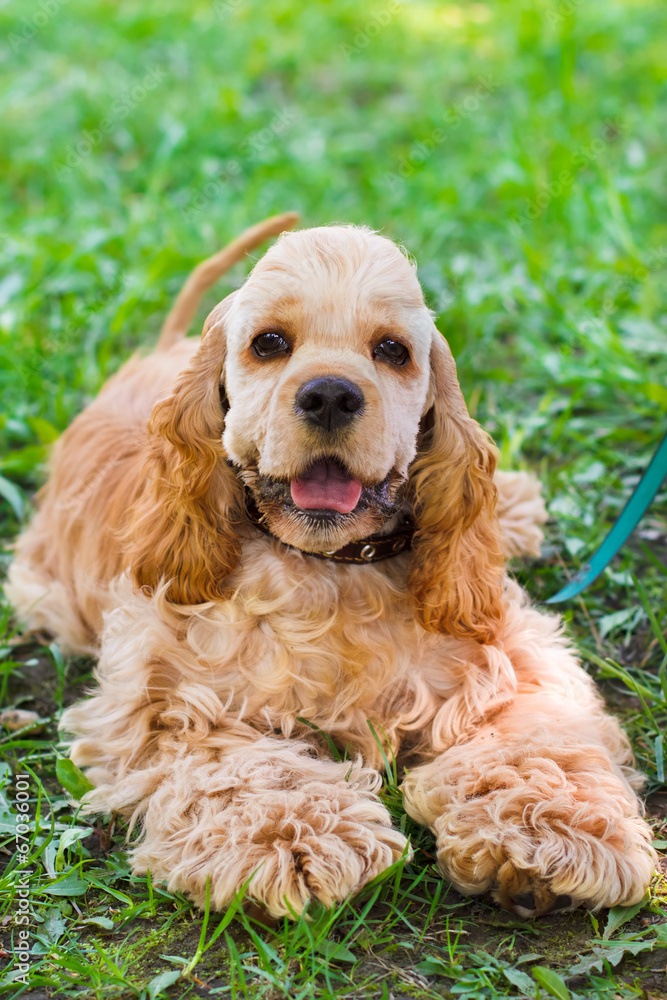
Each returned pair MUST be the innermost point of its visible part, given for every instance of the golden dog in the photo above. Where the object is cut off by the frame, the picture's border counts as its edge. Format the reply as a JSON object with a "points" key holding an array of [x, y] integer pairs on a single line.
{"points": [[296, 518]]}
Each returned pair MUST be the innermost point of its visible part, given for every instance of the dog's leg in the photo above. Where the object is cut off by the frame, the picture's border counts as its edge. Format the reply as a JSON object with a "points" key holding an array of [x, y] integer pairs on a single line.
{"points": [[521, 512], [45, 599], [214, 798], [539, 804], [267, 812]]}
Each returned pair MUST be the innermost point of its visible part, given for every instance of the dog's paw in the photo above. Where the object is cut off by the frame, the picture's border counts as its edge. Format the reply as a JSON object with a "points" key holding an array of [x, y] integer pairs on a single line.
{"points": [[538, 857], [300, 847], [528, 897], [579, 872], [289, 838], [543, 829], [521, 511]]}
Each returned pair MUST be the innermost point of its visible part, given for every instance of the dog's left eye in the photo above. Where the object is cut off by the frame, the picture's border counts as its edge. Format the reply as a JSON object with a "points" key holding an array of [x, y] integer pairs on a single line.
{"points": [[266, 344], [391, 350]]}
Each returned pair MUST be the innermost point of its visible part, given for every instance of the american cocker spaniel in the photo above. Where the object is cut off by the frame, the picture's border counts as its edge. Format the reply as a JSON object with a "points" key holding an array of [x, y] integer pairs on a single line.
{"points": [[295, 518]]}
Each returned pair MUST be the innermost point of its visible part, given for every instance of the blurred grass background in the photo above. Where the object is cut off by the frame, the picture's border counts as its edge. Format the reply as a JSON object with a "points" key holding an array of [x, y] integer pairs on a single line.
{"points": [[517, 150]]}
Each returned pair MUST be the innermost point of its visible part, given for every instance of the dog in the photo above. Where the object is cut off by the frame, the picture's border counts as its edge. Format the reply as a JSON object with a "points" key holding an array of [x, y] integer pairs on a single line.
{"points": [[292, 529]]}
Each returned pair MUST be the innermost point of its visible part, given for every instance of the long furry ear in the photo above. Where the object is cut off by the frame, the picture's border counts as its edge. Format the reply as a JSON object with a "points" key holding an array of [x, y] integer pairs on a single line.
{"points": [[457, 568], [182, 528]]}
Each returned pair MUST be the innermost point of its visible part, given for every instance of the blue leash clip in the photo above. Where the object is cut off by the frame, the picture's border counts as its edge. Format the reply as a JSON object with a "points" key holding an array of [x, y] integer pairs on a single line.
{"points": [[630, 517]]}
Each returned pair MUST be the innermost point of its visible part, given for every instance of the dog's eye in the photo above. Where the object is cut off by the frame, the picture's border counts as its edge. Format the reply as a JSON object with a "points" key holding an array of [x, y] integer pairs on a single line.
{"points": [[391, 350], [266, 344]]}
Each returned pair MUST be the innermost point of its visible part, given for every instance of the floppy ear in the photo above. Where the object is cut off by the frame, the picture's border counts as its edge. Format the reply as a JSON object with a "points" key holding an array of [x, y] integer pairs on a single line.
{"points": [[183, 527], [457, 568]]}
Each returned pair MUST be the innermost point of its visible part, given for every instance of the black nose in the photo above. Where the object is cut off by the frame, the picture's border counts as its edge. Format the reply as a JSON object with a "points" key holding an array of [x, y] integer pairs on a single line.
{"points": [[329, 402]]}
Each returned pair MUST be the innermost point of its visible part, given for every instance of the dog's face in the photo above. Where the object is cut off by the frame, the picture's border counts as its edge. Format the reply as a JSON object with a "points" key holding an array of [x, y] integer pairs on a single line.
{"points": [[310, 386], [326, 375]]}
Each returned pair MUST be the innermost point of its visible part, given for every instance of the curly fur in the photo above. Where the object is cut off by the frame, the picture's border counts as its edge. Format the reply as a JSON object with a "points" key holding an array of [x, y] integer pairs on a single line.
{"points": [[457, 570], [214, 641]]}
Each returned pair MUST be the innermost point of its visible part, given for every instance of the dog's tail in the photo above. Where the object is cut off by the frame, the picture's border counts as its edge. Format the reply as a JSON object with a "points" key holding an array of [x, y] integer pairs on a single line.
{"points": [[207, 273]]}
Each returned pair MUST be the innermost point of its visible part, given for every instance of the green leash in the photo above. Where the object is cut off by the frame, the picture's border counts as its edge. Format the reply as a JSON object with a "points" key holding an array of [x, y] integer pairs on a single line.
{"points": [[630, 517]]}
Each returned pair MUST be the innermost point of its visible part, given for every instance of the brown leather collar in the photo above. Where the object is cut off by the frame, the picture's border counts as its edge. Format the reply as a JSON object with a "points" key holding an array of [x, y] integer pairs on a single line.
{"points": [[372, 549]]}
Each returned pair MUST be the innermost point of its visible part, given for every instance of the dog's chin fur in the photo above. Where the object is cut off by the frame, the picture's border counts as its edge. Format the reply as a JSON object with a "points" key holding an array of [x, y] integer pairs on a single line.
{"points": [[324, 530]]}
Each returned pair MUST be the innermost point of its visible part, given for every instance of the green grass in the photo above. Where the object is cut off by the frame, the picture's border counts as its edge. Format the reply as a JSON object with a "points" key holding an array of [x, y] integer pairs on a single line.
{"points": [[517, 150]]}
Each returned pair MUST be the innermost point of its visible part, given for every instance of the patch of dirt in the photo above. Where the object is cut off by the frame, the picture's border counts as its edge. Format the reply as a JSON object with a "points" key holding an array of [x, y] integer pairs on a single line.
{"points": [[35, 683], [656, 809]]}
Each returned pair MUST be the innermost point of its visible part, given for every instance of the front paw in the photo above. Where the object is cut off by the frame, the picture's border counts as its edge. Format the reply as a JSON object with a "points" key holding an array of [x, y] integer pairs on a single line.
{"points": [[542, 829], [530, 876], [301, 846], [529, 896], [289, 839]]}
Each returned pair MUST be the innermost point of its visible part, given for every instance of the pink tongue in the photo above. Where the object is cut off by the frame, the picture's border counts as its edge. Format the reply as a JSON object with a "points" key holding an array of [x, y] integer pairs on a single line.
{"points": [[326, 487]]}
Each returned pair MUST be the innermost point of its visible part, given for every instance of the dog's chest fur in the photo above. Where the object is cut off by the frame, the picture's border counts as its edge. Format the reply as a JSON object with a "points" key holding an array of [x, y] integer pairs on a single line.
{"points": [[335, 644]]}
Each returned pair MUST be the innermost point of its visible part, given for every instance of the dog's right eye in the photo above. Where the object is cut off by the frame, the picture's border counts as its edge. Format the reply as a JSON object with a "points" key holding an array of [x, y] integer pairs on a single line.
{"points": [[266, 344]]}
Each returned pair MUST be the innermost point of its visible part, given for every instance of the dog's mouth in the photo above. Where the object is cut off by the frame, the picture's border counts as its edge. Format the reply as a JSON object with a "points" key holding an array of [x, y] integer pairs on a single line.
{"points": [[326, 486], [325, 506]]}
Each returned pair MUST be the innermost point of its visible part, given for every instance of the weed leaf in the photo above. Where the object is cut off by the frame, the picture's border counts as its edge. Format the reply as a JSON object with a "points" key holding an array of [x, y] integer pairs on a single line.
{"points": [[72, 778], [12, 495], [335, 952], [72, 885], [521, 980], [619, 915], [161, 982], [551, 982]]}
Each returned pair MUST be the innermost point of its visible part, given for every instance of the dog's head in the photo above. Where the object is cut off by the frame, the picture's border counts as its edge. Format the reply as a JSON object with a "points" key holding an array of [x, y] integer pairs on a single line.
{"points": [[324, 385], [327, 374]]}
